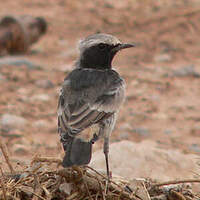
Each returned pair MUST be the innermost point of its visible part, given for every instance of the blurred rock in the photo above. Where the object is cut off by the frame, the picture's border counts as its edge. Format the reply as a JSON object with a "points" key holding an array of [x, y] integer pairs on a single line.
{"points": [[141, 131], [12, 121], [125, 127], [46, 84], [186, 71], [162, 58], [18, 61], [145, 159], [21, 149], [2, 78], [195, 148], [168, 131], [40, 97], [196, 131], [40, 124], [123, 136]]}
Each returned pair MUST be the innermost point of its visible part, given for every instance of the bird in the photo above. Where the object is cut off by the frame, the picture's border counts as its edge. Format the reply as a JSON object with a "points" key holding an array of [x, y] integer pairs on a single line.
{"points": [[90, 96]]}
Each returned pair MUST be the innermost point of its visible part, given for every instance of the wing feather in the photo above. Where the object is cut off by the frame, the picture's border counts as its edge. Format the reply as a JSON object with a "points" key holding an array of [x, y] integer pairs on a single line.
{"points": [[80, 112]]}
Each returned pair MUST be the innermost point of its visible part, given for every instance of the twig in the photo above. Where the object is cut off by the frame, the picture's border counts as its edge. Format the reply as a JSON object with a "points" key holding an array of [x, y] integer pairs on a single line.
{"points": [[104, 177], [75, 194], [37, 187], [176, 182], [46, 159], [86, 186], [5, 154], [48, 194], [32, 193], [3, 184]]}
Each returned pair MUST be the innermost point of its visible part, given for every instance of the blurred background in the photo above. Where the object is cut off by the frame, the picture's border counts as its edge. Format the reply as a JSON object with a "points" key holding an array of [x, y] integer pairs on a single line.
{"points": [[162, 73]]}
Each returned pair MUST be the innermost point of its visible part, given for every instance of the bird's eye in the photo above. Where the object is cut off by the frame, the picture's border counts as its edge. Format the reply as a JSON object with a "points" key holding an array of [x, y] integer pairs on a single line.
{"points": [[102, 46]]}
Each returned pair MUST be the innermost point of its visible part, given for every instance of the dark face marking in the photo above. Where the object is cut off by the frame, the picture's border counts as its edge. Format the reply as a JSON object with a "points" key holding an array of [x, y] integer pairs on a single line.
{"points": [[99, 56]]}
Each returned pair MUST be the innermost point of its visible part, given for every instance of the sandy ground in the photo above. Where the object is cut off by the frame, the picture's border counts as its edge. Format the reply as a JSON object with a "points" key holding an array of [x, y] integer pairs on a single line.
{"points": [[162, 73]]}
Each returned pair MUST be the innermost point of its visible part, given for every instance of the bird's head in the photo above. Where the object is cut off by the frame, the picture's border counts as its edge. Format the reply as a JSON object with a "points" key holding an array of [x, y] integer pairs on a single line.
{"points": [[97, 51]]}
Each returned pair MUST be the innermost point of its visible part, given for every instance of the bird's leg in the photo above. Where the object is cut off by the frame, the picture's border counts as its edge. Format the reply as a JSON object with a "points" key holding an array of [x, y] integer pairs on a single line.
{"points": [[106, 151]]}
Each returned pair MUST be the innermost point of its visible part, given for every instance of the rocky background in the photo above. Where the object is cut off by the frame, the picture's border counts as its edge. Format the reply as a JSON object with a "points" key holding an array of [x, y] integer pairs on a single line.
{"points": [[157, 134]]}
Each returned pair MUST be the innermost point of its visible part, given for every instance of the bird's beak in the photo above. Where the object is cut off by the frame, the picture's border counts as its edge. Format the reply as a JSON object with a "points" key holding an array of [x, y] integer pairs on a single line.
{"points": [[122, 46]]}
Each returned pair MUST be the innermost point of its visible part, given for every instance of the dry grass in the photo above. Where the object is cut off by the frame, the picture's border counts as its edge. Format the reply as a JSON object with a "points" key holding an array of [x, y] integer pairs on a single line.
{"points": [[43, 179]]}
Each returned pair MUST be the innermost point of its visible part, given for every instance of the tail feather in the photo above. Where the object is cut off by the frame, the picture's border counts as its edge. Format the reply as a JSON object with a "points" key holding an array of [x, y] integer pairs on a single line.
{"points": [[77, 152]]}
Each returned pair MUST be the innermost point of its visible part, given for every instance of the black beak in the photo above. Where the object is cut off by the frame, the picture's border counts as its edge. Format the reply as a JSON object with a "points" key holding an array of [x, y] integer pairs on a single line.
{"points": [[122, 46]]}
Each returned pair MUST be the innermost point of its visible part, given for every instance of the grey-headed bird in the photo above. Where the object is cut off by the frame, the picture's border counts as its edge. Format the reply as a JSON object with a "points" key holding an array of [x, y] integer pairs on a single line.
{"points": [[91, 95]]}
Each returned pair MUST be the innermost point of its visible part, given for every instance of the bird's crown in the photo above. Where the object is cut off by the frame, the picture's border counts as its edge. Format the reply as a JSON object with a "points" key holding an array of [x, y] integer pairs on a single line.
{"points": [[96, 39]]}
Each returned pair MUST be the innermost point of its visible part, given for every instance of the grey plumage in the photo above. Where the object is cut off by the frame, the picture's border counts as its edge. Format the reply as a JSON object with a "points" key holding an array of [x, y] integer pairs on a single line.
{"points": [[91, 94]]}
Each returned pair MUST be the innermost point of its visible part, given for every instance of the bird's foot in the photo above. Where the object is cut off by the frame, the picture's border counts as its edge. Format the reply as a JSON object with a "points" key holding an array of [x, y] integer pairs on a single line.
{"points": [[94, 139], [108, 181]]}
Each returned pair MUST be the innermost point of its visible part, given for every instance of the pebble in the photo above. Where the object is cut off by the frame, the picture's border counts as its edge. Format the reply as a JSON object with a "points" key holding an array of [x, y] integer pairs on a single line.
{"points": [[123, 136], [141, 131], [162, 58], [66, 188], [40, 124], [41, 97], [125, 127], [17, 61], [12, 121], [196, 131], [195, 148], [2, 78], [46, 84], [21, 149], [168, 132], [186, 71]]}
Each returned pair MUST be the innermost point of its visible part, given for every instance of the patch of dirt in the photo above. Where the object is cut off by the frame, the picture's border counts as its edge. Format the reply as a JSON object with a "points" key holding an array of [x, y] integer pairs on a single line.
{"points": [[160, 106]]}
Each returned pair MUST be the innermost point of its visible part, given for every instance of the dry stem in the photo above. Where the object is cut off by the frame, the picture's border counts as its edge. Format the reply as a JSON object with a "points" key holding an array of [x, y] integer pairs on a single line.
{"points": [[5, 154]]}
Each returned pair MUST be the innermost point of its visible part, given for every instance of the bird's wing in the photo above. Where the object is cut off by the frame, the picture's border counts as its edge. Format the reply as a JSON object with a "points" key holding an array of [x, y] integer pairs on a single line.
{"points": [[81, 113]]}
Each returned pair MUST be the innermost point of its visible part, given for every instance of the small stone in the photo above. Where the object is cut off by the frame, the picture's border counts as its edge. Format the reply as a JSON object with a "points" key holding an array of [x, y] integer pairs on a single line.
{"points": [[125, 127], [46, 84], [195, 148], [41, 97], [123, 136], [66, 188], [162, 58], [168, 131], [196, 131], [17, 61], [141, 131], [186, 71], [20, 149], [12, 121], [40, 124], [2, 78]]}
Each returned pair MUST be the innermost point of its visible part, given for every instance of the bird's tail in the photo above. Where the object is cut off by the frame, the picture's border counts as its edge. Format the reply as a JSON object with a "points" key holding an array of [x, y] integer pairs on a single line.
{"points": [[77, 152]]}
